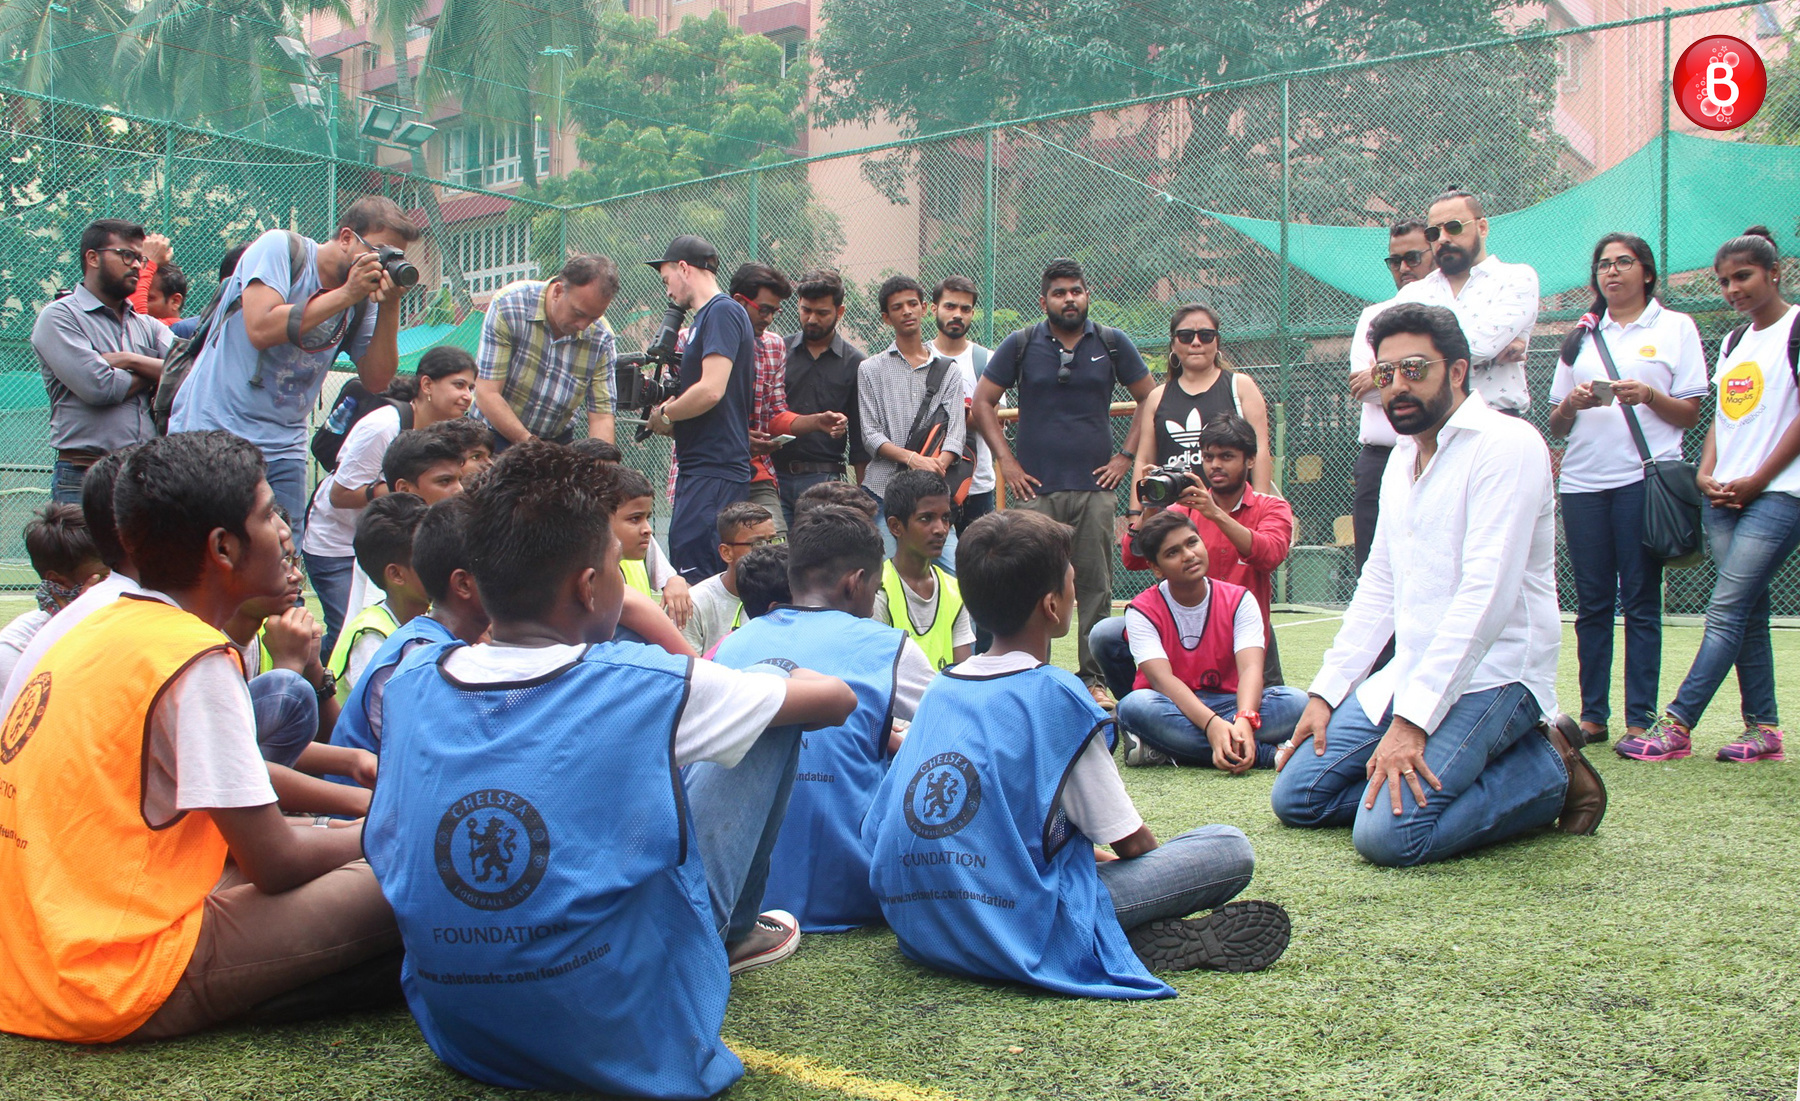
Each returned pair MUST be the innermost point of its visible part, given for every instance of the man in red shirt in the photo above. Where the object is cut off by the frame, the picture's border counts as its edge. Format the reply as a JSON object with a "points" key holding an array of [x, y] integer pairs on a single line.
{"points": [[1247, 536]]}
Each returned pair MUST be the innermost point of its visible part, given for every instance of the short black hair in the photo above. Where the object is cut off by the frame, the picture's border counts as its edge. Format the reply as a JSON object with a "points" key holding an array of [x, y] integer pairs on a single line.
{"points": [[542, 512], [893, 285], [751, 278], [822, 283], [1229, 430], [836, 493], [384, 533], [440, 545], [174, 492], [1646, 257], [1453, 191], [228, 263], [1436, 323], [171, 280], [1154, 532], [417, 450], [762, 579], [962, 284], [633, 483], [103, 230], [57, 540], [907, 488], [1061, 268], [594, 447], [1008, 561], [464, 433], [738, 516], [373, 213], [1406, 226], [97, 505], [829, 542]]}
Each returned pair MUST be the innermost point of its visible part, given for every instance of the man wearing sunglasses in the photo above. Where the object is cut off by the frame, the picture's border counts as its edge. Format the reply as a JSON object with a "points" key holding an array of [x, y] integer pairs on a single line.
{"points": [[1446, 748], [292, 305], [100, 358], [1496, 302]]}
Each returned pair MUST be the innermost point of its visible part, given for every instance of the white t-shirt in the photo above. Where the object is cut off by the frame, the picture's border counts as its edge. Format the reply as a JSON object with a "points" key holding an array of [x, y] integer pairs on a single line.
{"points": [[1094, 797], [1661, 347], [103, 592], [983, 479], [1146, 640], [329, 529], [724, 714], [923, 609], [1756, 404], [16, 636], [715, 615], [1375, 430]]}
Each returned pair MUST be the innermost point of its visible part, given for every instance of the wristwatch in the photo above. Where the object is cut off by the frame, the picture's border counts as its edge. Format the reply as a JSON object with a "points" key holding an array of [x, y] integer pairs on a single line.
{"points": [[1254, 718], [668, 421], [327, 686]]}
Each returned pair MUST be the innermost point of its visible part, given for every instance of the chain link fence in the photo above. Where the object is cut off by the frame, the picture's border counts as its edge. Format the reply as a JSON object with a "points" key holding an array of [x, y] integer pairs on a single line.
{"points": [[1267, 198]]}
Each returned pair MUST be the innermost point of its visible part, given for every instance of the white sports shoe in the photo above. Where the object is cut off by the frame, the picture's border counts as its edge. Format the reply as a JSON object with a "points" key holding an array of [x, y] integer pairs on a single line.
{"points": [[1141, 754]]}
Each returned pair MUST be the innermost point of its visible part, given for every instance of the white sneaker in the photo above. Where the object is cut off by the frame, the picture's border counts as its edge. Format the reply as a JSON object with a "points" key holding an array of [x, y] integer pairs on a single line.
{"points": [[1141, 754], [774, 937]]}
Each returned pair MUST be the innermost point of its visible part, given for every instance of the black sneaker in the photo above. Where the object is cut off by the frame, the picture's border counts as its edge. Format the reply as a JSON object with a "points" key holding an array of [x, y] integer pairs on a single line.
{"points": [[1239, 936], [774, 937]]}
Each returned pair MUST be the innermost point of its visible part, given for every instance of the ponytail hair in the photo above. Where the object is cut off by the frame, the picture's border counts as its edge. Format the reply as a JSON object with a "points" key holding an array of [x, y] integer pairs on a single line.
{"points": [[1756, 245], [440, 361], [1646, 256]]}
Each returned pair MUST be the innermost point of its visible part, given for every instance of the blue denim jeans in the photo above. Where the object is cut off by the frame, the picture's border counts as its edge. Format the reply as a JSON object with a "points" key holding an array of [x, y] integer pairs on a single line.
{"points": [[736, 814], [1613, 572], [791, 486], [65, 482], [287, 480], [1154, 717], [287, 715], [1202, 869], [1113, 654], [331, 577], [1501, 777], [1749, 546]]}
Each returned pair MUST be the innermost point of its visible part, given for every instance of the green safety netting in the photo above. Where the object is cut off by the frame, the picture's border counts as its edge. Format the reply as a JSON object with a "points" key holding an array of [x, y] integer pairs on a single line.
{"points": [[1716, 188], [415, 340]]}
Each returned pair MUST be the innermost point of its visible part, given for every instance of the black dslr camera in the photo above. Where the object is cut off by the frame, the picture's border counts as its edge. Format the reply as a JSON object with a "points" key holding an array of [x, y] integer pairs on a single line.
{"points": [[397, 266], [1161, 487], [646, 380]]}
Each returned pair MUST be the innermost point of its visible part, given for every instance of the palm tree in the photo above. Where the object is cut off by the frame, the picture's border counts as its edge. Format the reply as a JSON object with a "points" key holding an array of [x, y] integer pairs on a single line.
{"points": [[61, 47]]}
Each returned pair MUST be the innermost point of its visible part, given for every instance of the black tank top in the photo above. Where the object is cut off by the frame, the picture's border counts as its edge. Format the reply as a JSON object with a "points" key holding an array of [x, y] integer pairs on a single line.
{"points": [[1180, 416]]}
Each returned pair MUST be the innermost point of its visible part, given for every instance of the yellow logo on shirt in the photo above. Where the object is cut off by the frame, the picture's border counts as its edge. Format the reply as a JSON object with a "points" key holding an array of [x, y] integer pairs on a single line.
{"points": [[1741, 391], [1648, 351]]}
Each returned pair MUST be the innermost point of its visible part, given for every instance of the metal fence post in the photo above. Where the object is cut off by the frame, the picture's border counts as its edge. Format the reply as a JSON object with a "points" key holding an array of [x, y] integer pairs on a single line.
{"points": [[562, 235], [168, 180], [755, 202], [989, 236], [1662, 238], [1281, 317]]}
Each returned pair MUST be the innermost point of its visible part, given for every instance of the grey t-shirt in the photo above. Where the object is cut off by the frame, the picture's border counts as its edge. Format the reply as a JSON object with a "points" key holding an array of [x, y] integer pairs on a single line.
{"points": [[716, 614], [92, 407]]}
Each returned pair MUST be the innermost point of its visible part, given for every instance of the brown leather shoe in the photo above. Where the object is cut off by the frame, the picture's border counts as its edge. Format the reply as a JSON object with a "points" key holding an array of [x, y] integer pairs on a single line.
{"points": [[1585, 803], [1102, 696]]}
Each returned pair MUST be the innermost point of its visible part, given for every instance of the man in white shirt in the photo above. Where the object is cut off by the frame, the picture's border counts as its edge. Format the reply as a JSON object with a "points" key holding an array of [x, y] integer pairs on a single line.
{"points": [[1462, 575], [1496, 303], [953, 308]]}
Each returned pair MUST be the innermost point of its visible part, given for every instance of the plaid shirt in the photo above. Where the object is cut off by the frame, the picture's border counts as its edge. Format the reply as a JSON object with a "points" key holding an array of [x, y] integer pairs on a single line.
{"points": [[544, 378], [768, 400]]}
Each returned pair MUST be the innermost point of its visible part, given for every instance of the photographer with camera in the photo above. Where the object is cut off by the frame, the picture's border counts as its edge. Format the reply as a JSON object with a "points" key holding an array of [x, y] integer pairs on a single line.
{"points": [[546, 352], [709, 417], [287, 311]]}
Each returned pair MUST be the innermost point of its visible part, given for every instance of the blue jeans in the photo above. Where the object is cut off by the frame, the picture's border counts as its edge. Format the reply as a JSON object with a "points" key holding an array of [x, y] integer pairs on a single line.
{"points": [[736, 814], [791, 486], [1113, 654], [974, 507], [331, 577], [1749, 546], [1154, 717], [287, 480], [1501, 777], [946, 560], [287, 715], [1202, 869], [693, 523], [65, 482], [1613, 571]]}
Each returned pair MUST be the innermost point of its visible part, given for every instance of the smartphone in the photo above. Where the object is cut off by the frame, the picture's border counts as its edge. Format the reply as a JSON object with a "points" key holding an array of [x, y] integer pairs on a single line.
{"points": [[783, 440], [1603, 390]]}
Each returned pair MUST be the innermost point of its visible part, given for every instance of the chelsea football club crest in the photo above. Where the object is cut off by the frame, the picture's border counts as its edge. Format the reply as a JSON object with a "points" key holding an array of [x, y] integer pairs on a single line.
{"points": [[943, 796], [492, 849]]}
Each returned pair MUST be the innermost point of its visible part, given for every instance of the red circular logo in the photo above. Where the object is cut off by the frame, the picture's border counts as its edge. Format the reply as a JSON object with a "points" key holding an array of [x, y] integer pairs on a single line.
{"points": [[1720, 82]]}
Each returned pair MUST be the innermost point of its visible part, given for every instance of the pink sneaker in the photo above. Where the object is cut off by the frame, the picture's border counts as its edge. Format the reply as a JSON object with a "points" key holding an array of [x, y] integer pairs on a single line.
{"points": [[1763, 743], [1665, 741]]}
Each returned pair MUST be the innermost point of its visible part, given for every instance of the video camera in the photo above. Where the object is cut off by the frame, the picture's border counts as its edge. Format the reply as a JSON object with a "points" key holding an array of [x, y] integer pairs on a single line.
{"points": [[646, 380], [1161, 487]]}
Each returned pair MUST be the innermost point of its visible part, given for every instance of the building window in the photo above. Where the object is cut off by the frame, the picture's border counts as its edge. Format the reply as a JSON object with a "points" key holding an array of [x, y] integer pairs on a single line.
{"points": [[371, 58], [488, 156], [414, 32], [493, 255]]}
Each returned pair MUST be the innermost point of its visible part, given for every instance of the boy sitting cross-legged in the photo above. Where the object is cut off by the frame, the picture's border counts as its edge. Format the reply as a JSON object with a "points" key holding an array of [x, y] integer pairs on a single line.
{"points": [[718, 611], [982, 834], [820, 869], [384, 546], [917, 595], [1198, 644], [574, 832]]}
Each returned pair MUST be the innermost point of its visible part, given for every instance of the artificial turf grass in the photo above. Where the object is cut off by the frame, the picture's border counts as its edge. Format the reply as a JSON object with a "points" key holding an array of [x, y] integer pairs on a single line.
{"points": [[1649, 961]]}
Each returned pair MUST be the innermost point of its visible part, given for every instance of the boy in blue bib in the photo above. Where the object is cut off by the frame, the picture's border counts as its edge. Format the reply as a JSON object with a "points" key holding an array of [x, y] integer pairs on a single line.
{"points": [[982, 834], [573, 832], [820, 870]]}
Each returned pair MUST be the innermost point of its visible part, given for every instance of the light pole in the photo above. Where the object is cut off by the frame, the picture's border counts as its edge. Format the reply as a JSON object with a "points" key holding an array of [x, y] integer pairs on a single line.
{"points": [[560, 53]]}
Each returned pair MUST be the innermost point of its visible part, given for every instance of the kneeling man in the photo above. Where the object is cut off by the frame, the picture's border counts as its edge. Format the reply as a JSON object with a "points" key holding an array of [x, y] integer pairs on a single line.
{"points": [[1446, 748]]}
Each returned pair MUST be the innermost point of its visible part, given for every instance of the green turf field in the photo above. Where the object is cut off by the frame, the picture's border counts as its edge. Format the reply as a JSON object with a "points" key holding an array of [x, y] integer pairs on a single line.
{"points": [[1653, 961]]}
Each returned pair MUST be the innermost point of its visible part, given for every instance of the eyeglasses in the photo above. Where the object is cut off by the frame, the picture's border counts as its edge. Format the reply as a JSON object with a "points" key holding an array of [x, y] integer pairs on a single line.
{"points": [[1453, 227], [1620, 264], [1066, 368], [129, 255], [1413, 367], [1196, 336], [766, 541], [763, 309], [1410, 258], [292, 560]]}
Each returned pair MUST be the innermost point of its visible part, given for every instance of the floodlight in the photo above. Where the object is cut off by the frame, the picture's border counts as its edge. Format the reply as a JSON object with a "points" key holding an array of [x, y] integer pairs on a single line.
{"points": [[381, 121], [414, 134], [305, 95]]}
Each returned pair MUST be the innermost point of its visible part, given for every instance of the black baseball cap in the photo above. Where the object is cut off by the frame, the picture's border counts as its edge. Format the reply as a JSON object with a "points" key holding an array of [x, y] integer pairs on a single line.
{"points": [[694, 250]]}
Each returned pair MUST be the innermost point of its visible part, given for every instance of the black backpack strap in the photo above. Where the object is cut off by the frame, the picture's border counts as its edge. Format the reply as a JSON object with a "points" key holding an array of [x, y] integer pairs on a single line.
{"points": [[1110, 337], [1794, 351], [406, 414], [934, 381], [1732, 337]]}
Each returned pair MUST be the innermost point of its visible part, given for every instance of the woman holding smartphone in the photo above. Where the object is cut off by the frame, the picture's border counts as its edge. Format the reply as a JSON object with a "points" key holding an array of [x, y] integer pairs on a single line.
{"points": [[1661, 379]]}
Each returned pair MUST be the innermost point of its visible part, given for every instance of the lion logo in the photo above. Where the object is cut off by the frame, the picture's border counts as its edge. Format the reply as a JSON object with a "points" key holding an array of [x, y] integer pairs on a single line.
{"points": [[492, 849], [942, 796], [22, 721]]}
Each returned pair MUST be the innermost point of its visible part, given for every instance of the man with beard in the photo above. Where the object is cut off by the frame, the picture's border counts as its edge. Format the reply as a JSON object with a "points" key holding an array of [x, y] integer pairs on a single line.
{"points": [[821, 380], [101, 359], [953, 308], [1463, 576], [1067, 466], [1496, 303]]}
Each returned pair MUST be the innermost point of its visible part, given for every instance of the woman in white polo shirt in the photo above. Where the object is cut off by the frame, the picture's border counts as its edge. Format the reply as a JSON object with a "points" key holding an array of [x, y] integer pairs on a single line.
{"points": [[1752, 486], [1661, 381]]}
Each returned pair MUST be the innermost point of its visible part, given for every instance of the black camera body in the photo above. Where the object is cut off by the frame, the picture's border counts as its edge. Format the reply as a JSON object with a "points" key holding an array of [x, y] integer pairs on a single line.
{"points": [[1161, 487], [398, 267], [644, 381]]}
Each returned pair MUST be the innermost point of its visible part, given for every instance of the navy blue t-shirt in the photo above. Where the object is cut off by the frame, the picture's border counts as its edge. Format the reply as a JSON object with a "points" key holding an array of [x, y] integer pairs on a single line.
{"points": [[1065, 433], [717, 443]]}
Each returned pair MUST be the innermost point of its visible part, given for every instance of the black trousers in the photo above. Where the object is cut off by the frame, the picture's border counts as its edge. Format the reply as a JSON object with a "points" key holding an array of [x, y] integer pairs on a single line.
{"points": [[1367, 503]]}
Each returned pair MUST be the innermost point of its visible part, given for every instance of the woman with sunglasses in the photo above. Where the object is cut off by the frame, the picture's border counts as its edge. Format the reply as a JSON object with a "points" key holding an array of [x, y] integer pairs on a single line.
{"points": [[1752, 487], [1660, 380], [1200, 388]]}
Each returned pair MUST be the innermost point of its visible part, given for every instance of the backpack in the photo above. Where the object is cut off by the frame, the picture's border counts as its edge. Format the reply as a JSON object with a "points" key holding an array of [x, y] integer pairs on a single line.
{"points": [[354, 402], [1793, 346], [179, 360], [931, 425]]}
